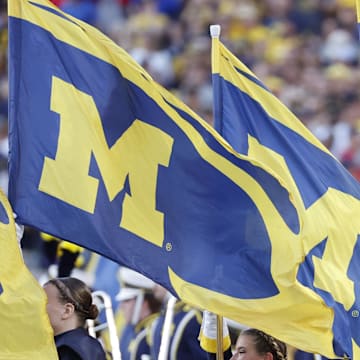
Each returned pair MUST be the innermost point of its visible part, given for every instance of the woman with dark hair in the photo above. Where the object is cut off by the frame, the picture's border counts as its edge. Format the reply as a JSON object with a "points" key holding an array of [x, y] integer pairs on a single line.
{"points": [[253, 344], [69, 305]]}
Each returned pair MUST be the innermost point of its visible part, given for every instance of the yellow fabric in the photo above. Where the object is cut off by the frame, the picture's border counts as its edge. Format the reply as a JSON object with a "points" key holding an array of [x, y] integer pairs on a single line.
{"points": [[25, 331], [48, 237], [210, 345], [65, 245]]}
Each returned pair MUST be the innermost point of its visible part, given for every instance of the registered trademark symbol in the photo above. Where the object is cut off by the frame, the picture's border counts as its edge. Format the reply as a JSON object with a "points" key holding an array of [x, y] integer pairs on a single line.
{"points": [[168, 246], [355, 313]]}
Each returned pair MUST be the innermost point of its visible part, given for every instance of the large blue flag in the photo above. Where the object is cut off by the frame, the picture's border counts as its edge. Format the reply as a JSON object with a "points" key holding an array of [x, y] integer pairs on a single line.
{"points": [[104, 157], [326, 198]]}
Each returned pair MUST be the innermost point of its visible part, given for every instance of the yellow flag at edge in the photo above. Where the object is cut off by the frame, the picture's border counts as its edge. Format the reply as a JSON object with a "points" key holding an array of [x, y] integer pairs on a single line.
{"points": [[25, 330]]}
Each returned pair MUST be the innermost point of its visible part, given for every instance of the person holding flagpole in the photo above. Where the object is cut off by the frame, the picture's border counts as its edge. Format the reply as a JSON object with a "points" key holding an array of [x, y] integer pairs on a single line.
{"points": [[251, 344]]}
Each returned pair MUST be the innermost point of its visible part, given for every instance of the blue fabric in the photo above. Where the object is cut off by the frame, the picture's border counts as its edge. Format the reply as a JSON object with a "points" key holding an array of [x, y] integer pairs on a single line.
{"points": [[255, 122], [132, 343], [77, 344], [197, 202], [187, 345]]}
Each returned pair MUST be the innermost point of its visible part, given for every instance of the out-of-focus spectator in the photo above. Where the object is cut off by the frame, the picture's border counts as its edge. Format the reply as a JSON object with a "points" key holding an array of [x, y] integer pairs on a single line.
{"points": [[340, 46], [108, 15], [351, 156], [138, 304], [182, 336], [344, 128]]}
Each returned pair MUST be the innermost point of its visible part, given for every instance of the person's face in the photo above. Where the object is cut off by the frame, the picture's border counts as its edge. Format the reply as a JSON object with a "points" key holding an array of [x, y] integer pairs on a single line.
{"points": [[127, 307], [59, 314], [159, 292], [245, 350], [54, 308]]}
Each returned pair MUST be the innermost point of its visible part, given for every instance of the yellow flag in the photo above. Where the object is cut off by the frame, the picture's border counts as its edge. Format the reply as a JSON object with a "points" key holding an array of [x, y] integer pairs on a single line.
{"points": [[25, 330]]}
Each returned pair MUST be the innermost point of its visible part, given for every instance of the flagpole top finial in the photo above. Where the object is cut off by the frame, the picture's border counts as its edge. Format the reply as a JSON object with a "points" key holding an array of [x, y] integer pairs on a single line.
{"points": [[215, 30]]}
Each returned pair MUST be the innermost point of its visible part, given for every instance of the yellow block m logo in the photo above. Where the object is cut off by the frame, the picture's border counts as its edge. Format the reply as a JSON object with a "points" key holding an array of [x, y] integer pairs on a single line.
{"points": [[136, 154]]}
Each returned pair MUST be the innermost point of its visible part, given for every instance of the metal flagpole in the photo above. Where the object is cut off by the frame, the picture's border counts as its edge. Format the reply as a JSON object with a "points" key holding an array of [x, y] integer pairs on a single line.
{"points": [[215, 31], [165, 339], [219, 338]]}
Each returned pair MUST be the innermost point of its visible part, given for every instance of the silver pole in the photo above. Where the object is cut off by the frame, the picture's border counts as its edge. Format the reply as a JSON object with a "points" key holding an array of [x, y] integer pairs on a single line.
{"points": [[219, 338], [110, 322], [165, 340]]}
